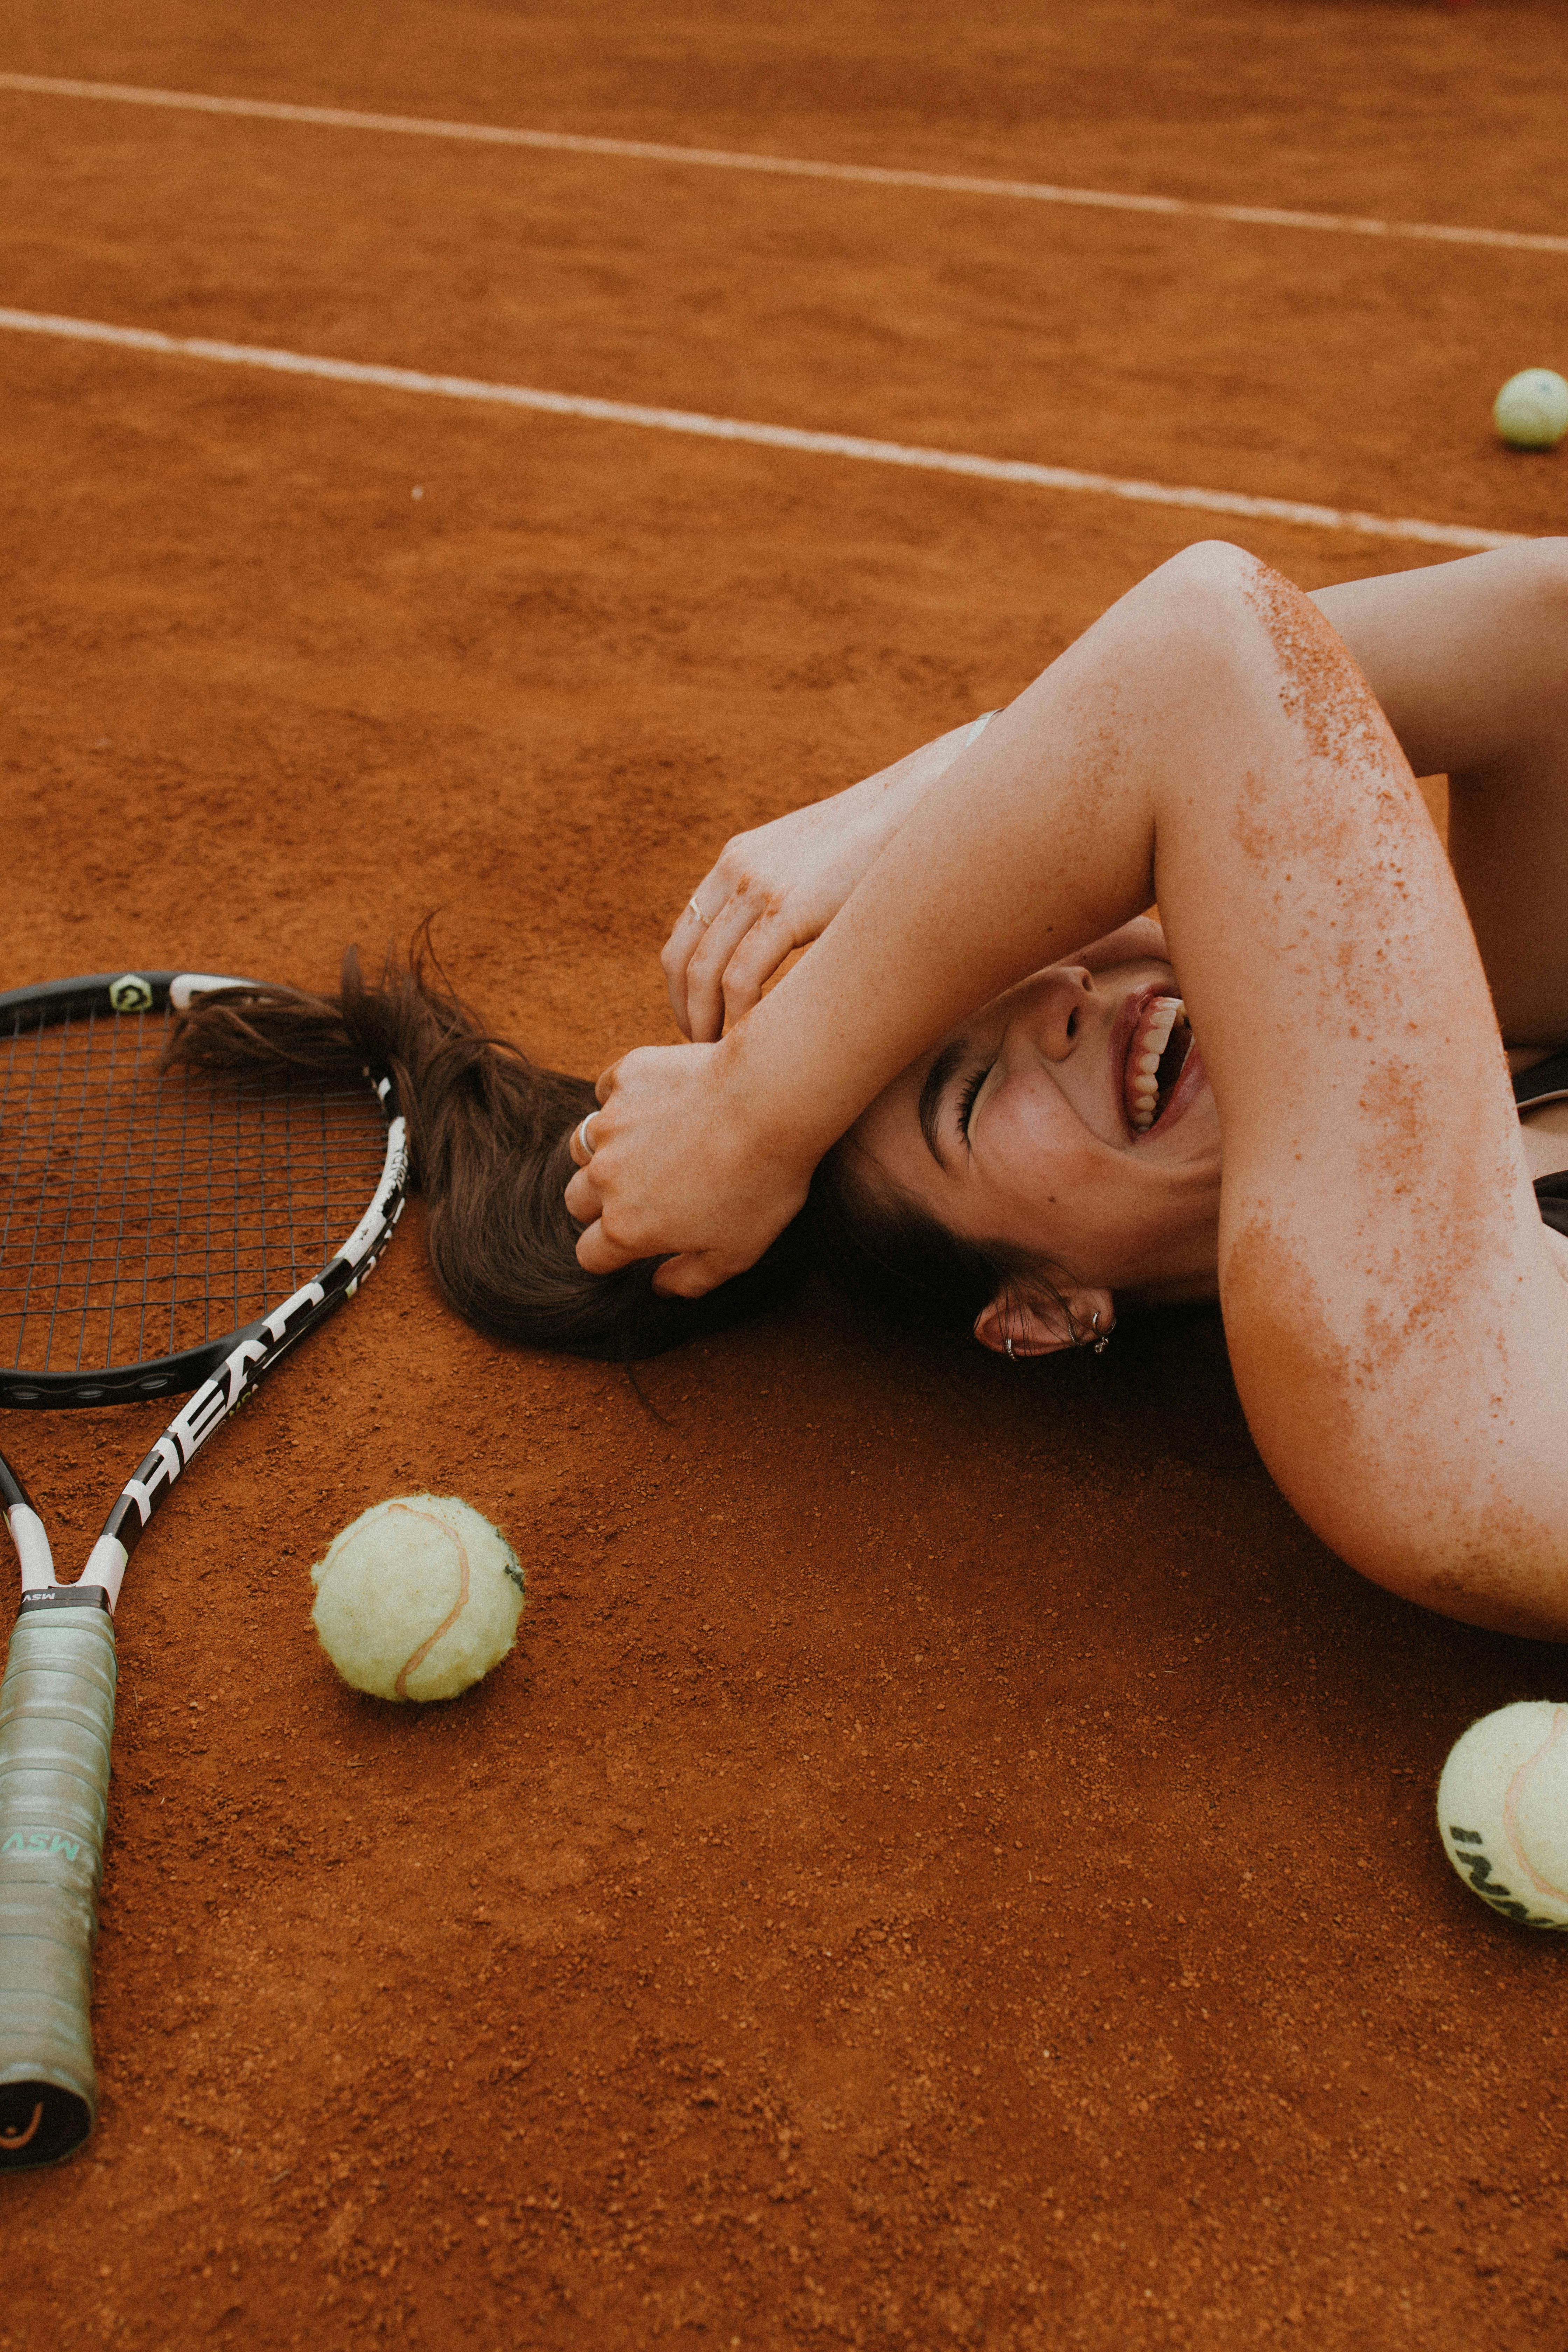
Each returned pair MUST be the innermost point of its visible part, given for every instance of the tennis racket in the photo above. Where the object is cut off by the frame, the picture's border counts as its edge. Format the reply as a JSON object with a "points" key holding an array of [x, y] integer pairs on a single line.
{"points": [[164, 1231]]}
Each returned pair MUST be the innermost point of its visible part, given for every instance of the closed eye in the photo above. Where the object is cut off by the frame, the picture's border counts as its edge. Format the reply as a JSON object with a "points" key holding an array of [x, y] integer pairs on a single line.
{"points": [[971, 1095]]}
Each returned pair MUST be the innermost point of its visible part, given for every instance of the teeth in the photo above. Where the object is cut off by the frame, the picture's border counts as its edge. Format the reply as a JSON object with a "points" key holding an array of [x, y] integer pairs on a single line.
{"points": [[1143, 1089]]}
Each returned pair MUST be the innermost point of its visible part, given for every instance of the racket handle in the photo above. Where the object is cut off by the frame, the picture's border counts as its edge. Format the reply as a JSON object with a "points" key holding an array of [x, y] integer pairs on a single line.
{"points": [[57, 1719]]}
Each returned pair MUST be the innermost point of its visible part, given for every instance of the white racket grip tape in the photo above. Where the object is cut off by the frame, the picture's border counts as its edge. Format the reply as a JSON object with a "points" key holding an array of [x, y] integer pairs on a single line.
{"points": [[57, 1721]]}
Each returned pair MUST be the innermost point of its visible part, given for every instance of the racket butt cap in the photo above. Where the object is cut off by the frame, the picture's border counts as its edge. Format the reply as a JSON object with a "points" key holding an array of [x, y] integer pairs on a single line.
{"points": [[41, 2119]]}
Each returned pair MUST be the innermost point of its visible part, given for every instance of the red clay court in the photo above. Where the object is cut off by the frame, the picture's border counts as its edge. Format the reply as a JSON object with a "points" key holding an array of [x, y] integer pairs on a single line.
{"points": [[951, 1860]]}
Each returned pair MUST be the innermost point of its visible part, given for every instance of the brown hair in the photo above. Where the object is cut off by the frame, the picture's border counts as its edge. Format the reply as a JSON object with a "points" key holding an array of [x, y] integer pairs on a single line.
{"points": [[874, 1242], [488, 1132]]}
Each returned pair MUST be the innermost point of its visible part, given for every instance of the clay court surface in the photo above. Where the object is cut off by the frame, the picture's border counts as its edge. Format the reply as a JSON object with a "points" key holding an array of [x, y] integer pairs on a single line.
{"points": [[951, 1860]]}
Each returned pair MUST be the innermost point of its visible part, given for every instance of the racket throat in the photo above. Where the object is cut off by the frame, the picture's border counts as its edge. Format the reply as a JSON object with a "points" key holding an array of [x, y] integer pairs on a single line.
{"points": [[33, 1554], [99, 1584]]}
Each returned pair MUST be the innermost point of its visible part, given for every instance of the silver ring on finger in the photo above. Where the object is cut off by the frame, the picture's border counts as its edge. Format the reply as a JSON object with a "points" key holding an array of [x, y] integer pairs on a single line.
{"points": [[579, 1138], [702, 918]]}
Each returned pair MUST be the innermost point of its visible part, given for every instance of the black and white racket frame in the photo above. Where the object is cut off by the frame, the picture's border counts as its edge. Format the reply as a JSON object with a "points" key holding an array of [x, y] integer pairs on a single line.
{"points": [[223, 1372]]}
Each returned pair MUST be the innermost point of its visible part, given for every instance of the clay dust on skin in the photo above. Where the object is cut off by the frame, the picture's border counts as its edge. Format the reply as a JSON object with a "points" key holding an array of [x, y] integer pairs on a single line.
{"points": [[1429, 1234]]}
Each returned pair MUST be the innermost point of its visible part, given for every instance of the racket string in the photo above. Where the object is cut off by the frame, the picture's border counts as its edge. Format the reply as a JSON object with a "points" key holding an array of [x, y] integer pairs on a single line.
{"points": [[144, 1211]]}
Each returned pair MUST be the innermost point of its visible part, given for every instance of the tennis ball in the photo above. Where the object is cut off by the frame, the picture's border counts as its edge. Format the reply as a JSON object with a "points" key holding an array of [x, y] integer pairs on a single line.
{"points": [[418, 1598], [1530, 412], [1503, 1811]]}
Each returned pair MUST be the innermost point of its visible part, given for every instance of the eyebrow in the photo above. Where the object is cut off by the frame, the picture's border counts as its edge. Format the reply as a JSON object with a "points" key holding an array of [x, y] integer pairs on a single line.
{"points": [[931, 1092]]}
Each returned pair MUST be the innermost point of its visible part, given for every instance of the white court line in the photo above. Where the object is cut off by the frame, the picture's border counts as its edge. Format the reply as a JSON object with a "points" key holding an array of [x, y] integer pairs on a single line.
{"points": [[762, 436], [565, 142]]}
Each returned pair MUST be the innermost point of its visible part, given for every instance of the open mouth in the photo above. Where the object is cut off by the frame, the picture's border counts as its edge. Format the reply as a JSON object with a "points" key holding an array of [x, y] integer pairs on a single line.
{"points": [[1156, 1054]]}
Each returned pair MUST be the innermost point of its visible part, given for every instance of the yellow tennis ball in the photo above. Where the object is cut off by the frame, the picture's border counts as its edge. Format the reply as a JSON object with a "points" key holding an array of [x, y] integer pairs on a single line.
{"points": [[1503, 1811], [1530, 412], [418, 1598]]}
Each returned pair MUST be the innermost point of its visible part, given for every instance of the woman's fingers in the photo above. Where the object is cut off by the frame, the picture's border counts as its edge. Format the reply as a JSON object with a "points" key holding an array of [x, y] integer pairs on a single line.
{"points": [[692, 1276], [717, 970], [807, 863], [716, 904], [707, 965], [684, 1165], [597, 1253], [582, 1198], [686, 936], [757, 959]]}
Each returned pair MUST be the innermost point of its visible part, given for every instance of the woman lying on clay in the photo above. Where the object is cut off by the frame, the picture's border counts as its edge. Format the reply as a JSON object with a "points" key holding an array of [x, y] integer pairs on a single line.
{"points": [[1294, 1098]]}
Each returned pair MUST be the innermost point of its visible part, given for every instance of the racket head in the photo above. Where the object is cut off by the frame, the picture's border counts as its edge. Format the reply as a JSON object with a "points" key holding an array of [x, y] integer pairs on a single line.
{"points": [[150, 1217]]}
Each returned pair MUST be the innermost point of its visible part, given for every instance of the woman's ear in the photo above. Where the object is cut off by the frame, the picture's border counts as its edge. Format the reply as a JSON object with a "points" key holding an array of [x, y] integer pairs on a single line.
{"points": [[1043, 1327]]}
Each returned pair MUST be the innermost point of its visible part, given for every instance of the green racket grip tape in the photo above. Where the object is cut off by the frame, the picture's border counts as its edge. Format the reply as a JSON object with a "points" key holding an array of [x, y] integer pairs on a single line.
{"points": [[57, 1719]]}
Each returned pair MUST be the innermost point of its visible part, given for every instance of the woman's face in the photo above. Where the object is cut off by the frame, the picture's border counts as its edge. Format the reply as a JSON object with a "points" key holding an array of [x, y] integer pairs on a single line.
{"points": [[1072, 1118]]}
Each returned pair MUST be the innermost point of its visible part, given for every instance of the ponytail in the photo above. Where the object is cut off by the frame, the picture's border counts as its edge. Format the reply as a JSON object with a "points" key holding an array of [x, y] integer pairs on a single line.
{"points": [[487, 1135]]}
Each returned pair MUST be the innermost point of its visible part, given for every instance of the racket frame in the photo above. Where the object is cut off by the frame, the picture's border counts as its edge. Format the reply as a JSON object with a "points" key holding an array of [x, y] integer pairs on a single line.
{"points": [[222, 1372], [56, 1699]]}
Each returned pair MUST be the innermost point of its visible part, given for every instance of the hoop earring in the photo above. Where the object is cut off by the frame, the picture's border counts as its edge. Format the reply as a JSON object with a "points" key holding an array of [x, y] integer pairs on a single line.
{"points": [[1101, 1339]]}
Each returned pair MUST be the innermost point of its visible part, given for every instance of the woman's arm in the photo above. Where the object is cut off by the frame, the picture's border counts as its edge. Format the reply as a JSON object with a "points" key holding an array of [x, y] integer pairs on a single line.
{"points": [[777, 887], [1399, 1335], [1469, 660]]}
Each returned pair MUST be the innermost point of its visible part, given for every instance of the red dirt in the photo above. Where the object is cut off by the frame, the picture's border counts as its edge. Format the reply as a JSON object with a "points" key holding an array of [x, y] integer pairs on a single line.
{"points": [[827, 1926]]}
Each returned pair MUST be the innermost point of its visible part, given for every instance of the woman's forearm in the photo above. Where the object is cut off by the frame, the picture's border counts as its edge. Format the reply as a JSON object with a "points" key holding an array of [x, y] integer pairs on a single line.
{"points": [[893, 794], [1007, 857]]}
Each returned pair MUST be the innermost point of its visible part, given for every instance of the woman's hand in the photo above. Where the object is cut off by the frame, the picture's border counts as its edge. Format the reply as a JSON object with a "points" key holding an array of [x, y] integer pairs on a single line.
{"points": [[679, 1164], [772, 892], [777, 887]]}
